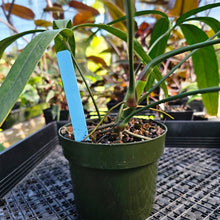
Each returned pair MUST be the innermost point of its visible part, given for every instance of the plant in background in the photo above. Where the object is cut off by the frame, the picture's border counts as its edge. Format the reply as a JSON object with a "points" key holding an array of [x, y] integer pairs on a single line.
{"points": [[174, 37], [139, 82], [49, 87]]}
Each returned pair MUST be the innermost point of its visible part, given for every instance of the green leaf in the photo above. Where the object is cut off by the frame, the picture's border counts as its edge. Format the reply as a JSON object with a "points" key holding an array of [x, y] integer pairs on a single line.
{"points": [[1, 147], [141, 13], [192, 12], [136, 14], [153, 12], [65, 40], [50, 95], [21, 70], [55, 112], [212, 22], [150, 83], [30, 95], [205, 66], [160, 58], [160, 28], [140, 87], [60, 24], [170, 98], [9, 40]]}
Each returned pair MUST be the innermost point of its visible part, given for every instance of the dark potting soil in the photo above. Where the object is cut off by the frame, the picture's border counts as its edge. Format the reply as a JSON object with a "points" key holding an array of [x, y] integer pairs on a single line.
{"points": [[177, 108], [137, 130]]}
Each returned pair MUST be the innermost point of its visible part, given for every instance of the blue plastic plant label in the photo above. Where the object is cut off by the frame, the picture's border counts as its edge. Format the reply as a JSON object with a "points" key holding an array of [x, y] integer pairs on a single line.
{"points": [[72, 95]]}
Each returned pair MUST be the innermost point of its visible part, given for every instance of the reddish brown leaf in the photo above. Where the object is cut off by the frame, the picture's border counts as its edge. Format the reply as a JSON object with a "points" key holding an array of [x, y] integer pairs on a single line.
{"points": [[97, 60], [143, 28], [20, 11], [83, 17], [53, 9], [120, 4], [58, 14], [83, 7]]}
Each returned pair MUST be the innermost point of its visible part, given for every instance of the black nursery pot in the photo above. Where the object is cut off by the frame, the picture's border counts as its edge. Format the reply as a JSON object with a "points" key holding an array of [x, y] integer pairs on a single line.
{"points": [[196, 105], [64, 115], [114, 181], [179, 115]]}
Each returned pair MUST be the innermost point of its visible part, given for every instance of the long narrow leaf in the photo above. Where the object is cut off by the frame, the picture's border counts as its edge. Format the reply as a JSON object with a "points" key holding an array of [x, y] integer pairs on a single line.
{"points": [[155, 61], [205, 66], [171, 98], [161, 27], [141, 13], [20, 72], [158, 46], [166, 76], [212, 22], [192, 12], [9, 40]]}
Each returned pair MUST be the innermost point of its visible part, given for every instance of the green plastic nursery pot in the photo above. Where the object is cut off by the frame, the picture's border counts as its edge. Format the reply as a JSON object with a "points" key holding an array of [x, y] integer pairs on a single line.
{"points": [[114, 181]]}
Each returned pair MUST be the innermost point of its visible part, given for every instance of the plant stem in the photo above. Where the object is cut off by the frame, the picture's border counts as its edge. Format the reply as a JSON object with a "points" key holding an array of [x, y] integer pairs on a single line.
{"points": [[122, 106], [163, 112], [137, 135], [130, 43], [138, 68], [131, 92], [103, 126], [101, 121], [157, 110]]}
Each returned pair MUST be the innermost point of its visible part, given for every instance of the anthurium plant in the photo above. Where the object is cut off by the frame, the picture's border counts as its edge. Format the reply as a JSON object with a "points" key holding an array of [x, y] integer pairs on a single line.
{"points": [[143, 80]]}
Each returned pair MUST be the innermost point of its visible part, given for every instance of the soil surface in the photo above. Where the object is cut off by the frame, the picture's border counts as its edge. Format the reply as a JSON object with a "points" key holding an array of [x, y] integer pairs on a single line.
{"points": [[137, 130], [177, 108]]}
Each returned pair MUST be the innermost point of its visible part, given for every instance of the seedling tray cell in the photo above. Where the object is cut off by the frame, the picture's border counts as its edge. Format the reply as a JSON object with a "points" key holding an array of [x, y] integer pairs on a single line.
{"points": [[187, 183]]}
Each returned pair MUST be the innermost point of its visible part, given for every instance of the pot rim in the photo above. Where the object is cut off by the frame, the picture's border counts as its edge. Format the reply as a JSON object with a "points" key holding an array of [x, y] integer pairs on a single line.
{"points": [[113, 156], [113, 144]]}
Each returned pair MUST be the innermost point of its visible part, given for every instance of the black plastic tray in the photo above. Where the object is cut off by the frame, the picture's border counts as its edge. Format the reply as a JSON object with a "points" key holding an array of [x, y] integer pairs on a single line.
{"points": [[193, 134], [35, 181]]}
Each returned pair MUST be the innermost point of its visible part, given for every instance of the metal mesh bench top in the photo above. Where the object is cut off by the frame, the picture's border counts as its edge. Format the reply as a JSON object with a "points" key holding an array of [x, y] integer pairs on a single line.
{"points": [[187, 188]]}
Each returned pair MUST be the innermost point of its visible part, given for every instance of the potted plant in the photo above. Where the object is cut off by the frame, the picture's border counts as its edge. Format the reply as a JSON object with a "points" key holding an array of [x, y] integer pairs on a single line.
{"points": [[114, 172], [54, 95]]}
